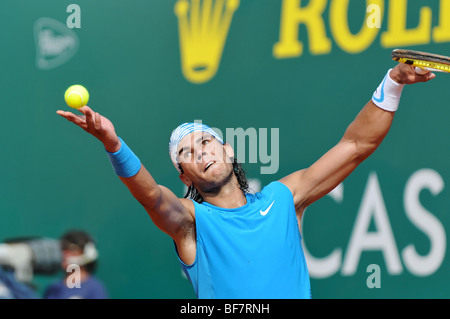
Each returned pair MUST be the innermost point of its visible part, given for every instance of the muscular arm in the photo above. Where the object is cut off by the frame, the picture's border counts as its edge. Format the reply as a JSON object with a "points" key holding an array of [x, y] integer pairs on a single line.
{"points": [[172, 215], [360, 140]]}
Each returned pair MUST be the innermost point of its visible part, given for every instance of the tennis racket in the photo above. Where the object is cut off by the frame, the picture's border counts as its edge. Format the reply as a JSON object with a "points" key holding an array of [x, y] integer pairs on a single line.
{"points": [[423, 61]]}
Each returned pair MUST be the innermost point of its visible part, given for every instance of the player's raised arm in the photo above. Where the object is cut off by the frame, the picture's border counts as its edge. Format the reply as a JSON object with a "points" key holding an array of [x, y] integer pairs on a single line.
{"points": [[360, 140], [168, 212]]}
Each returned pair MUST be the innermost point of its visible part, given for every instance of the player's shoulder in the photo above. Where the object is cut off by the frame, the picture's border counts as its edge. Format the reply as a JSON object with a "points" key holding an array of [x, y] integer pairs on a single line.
{"points": [[274, 186], [270, 191], [189, 205]]}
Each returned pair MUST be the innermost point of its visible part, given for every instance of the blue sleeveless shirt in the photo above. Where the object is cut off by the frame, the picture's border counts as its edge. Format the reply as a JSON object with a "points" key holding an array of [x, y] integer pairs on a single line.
{"points": [[253, 251]]}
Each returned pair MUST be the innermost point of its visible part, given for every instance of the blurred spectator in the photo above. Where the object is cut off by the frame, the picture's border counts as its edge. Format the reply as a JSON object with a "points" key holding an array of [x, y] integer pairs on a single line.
{"points": [[79, 261]]}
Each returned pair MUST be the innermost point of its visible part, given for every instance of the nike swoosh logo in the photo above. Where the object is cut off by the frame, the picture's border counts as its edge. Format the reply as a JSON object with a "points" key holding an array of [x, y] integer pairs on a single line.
{"points": [[381, 99], [264, 213]]}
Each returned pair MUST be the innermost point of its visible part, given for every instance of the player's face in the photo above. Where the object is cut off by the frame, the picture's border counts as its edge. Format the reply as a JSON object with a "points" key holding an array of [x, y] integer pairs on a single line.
{"points": [[204, 160]]}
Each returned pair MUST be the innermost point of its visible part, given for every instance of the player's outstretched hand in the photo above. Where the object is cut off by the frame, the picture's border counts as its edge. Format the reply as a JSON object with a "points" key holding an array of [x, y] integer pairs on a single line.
{"points": [[405, 74], [95, 124]]}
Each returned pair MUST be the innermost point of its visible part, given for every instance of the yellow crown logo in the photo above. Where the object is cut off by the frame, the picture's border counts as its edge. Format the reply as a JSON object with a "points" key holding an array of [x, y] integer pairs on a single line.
{"points": [[203, 29]]}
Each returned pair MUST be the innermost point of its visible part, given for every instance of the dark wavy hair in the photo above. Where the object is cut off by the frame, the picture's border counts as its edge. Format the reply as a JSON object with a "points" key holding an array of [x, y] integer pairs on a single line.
{"points": [[239, 172]]}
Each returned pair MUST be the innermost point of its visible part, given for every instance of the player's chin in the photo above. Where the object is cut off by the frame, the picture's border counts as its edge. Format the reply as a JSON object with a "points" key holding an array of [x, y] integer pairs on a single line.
{"points": [[212, 169], [216, 172]]}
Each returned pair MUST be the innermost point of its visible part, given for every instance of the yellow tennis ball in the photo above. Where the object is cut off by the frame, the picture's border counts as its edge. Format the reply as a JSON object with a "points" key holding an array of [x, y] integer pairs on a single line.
{"points": [[76, 96]]}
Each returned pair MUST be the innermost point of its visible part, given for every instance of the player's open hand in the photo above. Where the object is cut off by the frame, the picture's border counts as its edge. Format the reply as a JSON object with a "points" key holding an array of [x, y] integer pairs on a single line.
{"points": [[95, 124], [406, 74]]}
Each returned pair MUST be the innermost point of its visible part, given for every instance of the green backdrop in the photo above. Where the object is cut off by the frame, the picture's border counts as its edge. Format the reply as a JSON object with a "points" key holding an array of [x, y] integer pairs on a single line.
{"points": [[393, 211]]}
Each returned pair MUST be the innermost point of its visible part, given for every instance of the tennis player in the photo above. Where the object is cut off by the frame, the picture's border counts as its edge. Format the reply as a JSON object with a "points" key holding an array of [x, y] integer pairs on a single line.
{"points": [[230, 243]]}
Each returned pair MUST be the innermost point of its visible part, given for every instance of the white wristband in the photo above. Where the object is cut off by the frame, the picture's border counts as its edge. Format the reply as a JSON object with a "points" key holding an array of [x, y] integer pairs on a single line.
{"points": [[387, 96]]}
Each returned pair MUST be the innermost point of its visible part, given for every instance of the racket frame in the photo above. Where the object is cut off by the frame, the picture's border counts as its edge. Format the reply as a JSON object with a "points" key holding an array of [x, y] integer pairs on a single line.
{"points": [[423, 60]]}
